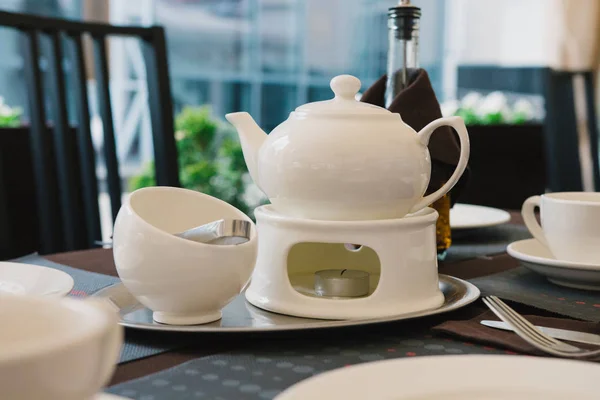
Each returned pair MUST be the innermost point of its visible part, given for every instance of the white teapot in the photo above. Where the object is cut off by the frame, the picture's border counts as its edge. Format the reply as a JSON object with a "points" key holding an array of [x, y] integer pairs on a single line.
{"points": [[342, 159]]}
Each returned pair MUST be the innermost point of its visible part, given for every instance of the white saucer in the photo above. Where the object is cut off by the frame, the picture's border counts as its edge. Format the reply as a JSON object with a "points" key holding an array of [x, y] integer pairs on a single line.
{"points": [[466, 377], [538, 258], [35, 280], [469, 216]]}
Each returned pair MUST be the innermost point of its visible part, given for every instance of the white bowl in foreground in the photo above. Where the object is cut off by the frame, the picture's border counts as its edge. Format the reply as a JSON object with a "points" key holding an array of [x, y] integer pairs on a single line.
{"points": [[183, 282], [56, 349]]}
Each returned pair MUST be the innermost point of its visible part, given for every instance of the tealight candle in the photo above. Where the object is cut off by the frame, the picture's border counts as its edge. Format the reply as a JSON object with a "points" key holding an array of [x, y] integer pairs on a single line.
{"points": [[341, 283]]}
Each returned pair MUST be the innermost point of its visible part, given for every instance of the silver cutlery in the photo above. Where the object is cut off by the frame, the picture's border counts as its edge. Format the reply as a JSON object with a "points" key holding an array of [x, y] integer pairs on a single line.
{"points": [[220, 232], [223, 231], [534, 336], [564, 334]]}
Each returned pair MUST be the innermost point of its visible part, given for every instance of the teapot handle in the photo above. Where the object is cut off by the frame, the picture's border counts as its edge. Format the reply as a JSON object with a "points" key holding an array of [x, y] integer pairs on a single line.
{"points": [[424, 135]]}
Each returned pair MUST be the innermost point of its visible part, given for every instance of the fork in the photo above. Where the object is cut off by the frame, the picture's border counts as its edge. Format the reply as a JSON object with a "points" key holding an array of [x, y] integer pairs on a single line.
{"points": [[534, 336]]}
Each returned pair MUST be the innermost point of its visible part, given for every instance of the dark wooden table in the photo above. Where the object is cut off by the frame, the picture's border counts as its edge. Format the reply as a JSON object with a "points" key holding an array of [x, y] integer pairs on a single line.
{"points": [[101, 261]]}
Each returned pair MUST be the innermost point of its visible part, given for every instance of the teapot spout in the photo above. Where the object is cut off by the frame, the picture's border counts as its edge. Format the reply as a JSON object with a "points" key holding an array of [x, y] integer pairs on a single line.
{"points": [[251, 138]]}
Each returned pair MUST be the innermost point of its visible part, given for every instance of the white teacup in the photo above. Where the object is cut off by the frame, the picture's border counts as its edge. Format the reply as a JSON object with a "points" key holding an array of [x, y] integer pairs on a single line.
{"points": [[56, 349], [570, 226], [182, 281]]}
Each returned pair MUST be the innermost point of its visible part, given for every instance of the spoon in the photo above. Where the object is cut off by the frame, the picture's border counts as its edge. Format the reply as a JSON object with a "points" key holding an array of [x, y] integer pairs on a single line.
{"points": [[220, 232]]}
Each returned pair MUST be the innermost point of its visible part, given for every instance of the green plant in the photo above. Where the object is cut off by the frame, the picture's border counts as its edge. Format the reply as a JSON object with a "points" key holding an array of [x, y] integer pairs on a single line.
{"points": [[492, 109], [210, 160], [9, 116]]}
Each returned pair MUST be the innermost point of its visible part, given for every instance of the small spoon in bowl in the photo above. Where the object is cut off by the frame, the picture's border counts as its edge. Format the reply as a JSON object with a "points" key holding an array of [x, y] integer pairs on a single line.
{"points": [[220, 232]]}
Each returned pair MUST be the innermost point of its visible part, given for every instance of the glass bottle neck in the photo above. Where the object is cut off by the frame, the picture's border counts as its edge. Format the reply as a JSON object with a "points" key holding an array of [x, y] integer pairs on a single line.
{"points": [[403, 50], [403, 56]]}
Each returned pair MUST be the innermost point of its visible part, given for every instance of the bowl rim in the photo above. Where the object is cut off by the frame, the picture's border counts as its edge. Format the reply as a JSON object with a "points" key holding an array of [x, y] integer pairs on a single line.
{"points": [[565, 198], [97, 323], [204, 196]]}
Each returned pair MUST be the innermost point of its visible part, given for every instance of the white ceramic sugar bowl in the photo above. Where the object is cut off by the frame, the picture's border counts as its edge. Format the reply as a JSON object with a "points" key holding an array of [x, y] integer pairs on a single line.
{"points": [[182, 281], [342, 159]]}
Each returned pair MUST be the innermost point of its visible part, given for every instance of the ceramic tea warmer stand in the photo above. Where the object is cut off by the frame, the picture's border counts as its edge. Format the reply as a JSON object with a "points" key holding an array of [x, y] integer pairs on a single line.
{"points": [[310, 268]]}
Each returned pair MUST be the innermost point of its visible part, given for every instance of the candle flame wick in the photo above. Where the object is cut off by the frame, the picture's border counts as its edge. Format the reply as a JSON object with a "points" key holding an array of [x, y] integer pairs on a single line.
{"points": [[344, 270]]}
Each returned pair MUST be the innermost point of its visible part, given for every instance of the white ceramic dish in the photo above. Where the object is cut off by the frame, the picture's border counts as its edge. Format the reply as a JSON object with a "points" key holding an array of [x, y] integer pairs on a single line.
{"points": [[33, 280], [467, 377], [184, 282], [56, 349], [470, 216], [535, 256], [239, 316], [108, 396]]}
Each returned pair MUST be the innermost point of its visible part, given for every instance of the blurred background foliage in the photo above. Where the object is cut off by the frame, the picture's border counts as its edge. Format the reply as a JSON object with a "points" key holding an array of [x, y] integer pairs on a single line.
{"points": [[210, 160]]}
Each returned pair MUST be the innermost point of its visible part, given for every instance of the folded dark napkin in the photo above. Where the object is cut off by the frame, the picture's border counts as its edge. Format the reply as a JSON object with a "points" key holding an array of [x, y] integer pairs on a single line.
{"points": [[418, 106], [472, 331]]}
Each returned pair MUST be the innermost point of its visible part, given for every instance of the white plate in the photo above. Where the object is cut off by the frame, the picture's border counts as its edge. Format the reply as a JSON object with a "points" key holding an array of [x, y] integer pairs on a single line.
{"points": [[34, 280], [469, 216], [467, 377], [538, 258]]}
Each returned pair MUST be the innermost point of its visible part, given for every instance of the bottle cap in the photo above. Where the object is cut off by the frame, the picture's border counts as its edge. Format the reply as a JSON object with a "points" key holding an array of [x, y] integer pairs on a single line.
{"points": [[404, 20]]}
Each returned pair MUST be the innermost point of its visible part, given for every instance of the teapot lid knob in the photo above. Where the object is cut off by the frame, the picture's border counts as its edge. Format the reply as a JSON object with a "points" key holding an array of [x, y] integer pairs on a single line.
{"points": [[345, 86], [345, 102]]}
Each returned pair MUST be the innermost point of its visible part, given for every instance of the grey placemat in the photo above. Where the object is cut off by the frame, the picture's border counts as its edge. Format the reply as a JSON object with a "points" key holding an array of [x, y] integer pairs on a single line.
{"points": [[527, 287], [272, 366], [86, 283], [484, 242]]}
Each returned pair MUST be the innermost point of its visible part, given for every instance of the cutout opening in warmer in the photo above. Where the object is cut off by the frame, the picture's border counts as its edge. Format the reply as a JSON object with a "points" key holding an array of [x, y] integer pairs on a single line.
{"points": [[332, 270]]}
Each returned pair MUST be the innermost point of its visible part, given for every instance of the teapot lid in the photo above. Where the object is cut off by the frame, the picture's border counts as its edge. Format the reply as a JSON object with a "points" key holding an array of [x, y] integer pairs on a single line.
{"points": [[345, 88]]}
